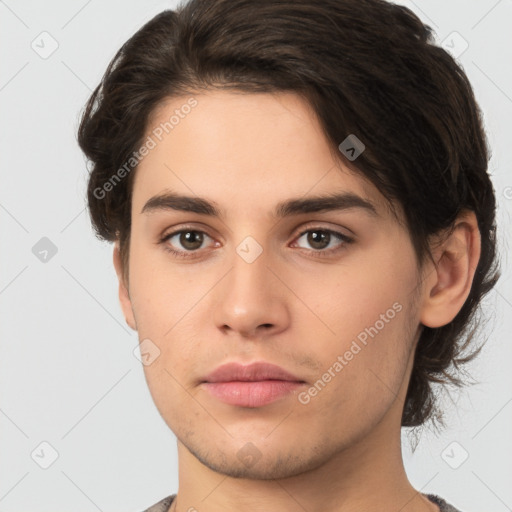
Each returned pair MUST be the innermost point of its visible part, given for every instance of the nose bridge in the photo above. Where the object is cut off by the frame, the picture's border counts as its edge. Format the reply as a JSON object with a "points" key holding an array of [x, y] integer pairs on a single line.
{"points": [[249, 276], [248, 297]]}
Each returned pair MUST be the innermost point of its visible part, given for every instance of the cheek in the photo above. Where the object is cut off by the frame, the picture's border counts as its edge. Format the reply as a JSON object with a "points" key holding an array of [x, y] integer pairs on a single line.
{"points": [[364, 362], [160, 295], [166, 305], [346, 300], [363, 315]]}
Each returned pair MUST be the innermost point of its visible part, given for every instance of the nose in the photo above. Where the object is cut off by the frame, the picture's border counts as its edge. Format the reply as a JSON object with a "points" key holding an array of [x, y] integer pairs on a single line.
{"points": [[251, 301]]}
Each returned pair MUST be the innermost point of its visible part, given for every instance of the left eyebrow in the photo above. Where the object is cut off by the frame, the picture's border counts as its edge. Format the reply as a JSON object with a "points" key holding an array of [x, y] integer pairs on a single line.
{"points": [[337, 201], [316, 204]]}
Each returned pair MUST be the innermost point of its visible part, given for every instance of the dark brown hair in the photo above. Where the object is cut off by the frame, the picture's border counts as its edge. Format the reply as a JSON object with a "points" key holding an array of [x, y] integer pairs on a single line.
{"points": [[367, 67]]}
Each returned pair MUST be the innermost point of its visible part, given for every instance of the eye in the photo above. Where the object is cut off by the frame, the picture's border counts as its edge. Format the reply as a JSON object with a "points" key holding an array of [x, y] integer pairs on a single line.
{"points": [[185, 242], [324, 241]]}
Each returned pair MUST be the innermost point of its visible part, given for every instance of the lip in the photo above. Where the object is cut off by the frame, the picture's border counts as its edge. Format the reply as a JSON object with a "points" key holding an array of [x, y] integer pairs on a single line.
{"points": [[252, 385], [258, 371]]}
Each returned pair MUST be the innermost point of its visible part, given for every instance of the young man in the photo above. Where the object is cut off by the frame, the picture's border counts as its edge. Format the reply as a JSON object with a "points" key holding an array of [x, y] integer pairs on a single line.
{"points": [[304, 228]]}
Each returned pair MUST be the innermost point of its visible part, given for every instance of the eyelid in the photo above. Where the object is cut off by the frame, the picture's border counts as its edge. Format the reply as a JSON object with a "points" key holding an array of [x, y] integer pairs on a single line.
{"points": [[312, 226], [344, 241], [169, 232], [304, 228]]}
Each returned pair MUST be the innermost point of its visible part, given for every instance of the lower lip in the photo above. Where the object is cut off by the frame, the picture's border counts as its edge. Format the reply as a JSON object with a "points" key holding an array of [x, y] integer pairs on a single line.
{"points": [[251, 394]]}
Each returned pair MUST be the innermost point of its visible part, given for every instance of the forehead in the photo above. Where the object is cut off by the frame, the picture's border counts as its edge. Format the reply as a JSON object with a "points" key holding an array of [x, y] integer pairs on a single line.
{"points": [[243, 151]]}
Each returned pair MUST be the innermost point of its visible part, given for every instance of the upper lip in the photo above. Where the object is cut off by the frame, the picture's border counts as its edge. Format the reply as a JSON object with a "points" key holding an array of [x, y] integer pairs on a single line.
{"points": [[253, 372]]}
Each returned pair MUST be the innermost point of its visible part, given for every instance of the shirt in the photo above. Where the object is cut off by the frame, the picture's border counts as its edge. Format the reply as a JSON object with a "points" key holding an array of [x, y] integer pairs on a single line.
{"points": [[163, 505]]}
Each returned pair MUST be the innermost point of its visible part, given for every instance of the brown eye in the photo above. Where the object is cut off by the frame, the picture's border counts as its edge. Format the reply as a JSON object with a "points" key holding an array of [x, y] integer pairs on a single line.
{"points": [[319, 240], [191, 240], [184, 241]]}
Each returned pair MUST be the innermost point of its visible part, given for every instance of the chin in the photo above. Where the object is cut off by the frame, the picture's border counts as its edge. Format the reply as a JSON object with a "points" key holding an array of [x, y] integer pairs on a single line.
{"points": [[249, 463]]}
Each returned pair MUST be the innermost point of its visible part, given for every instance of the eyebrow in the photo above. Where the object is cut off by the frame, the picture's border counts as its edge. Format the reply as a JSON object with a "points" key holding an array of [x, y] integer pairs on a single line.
{"points": [[332, 202]]}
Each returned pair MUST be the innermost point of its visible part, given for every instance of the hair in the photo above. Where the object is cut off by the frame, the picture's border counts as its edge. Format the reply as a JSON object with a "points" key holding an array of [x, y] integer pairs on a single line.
{"points": [[366, 67]]}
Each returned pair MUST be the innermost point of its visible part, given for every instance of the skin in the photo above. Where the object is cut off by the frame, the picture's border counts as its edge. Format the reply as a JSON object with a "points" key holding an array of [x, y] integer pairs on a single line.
{"points": [[292, 307]]}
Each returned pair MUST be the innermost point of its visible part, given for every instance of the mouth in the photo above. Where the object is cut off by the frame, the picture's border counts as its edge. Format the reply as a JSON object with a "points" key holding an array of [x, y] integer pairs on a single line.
{"points": [[253, 385]]}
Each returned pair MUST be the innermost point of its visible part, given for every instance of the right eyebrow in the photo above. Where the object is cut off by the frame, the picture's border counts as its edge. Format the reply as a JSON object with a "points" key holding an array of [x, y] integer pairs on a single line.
{"points": [[337, 201], [173, 201]]}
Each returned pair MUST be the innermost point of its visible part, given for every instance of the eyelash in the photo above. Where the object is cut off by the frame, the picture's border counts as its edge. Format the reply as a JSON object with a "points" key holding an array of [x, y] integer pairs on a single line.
{"points": [[317, 252]]}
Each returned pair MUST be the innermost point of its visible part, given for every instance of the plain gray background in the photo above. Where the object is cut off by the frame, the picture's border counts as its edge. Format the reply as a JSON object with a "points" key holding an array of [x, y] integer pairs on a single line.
{"points": [[68, 375]]}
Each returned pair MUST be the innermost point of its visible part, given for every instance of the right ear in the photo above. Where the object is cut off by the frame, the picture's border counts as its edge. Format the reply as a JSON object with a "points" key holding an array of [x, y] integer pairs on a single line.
{"points": [[124, 296]]}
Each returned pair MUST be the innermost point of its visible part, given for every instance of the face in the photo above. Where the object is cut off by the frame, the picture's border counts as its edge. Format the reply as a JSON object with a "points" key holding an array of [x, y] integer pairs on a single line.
{"points": [[263, 273]]}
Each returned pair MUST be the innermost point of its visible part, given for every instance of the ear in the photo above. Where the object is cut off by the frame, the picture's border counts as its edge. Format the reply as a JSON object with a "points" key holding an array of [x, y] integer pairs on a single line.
{"points": [[448, 283], [124, 297]]}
